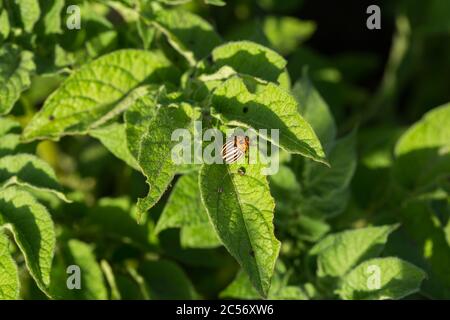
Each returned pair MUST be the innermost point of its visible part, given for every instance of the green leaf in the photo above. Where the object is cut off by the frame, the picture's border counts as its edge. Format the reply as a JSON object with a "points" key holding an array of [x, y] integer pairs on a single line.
{"points": [[111, 279], [253, 59], [137, 119], [324, 188], [321, 180], [98, 92], [241, 210], [33, 232], [339, 252], [200, 236], [190, 35], [219, 3], [114, 138], [8, 125], [315, 110], [29, 13], [9, 144], [286, 33], [398, 279], [155, 149], [9, 275], [425, 243], [310, 229], [15, 69], [185, 210], [51, 20], [267, 107], [93, 285], [146, 33], [423, 151], [29, 171], [241, 287], [5, 27], [166, 280], [10, 138]]}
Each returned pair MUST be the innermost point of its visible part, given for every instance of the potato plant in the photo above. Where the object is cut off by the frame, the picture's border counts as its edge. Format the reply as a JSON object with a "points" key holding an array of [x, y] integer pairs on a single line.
{"points": [[93, 205]]}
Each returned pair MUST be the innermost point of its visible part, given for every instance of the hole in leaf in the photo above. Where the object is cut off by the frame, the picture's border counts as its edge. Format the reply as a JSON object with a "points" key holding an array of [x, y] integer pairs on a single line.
{"points": [[245, 109]]}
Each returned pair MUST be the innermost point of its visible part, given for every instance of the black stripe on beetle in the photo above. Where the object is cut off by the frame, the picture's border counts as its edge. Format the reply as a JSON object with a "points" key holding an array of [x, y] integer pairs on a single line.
{"points": [[235, 148]]}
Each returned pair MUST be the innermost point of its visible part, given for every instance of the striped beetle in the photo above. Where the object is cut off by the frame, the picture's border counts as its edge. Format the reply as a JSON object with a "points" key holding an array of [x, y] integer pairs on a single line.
{"points": [[235, 148]]}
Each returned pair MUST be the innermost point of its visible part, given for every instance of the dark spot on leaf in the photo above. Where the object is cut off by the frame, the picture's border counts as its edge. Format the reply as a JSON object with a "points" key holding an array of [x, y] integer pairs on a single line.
{"points": [[252, 253], [245, 109], [51, 118]]}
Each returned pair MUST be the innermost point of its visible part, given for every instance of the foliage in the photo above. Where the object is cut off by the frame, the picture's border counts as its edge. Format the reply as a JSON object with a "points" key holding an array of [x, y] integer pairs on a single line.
{"points": [[360, 205]]}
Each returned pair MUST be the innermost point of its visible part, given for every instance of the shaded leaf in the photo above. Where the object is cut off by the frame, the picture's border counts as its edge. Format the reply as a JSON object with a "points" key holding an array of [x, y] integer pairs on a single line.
{"points": [[98, 92], [93, 285], [324, 189], [286, 33], [113, 137], [188, 33], [339, 252], [29, 171], [111, 279], [253, 59], [423, 151], [33, 232], [425, 244], [185, 210], [398, 279], [116, 217], [166, 280], [241, 287], [315, 110], [15, 69]]}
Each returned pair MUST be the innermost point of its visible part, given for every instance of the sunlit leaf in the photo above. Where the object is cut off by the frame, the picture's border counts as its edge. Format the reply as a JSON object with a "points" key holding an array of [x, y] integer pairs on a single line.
{"points": [[98, 92], [29, 171], [9, 275], [188, 33], [241, 210], [267, 106], [33, 232], [253, 59], [16, 67]]}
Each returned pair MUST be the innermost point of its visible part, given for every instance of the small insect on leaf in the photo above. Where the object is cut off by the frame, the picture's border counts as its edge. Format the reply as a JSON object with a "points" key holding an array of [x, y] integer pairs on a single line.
{"points": [[235, 148]]}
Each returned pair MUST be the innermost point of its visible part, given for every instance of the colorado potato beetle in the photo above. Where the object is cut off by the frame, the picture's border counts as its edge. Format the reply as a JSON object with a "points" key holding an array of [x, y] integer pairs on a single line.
{"points": [[235, 148]]}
